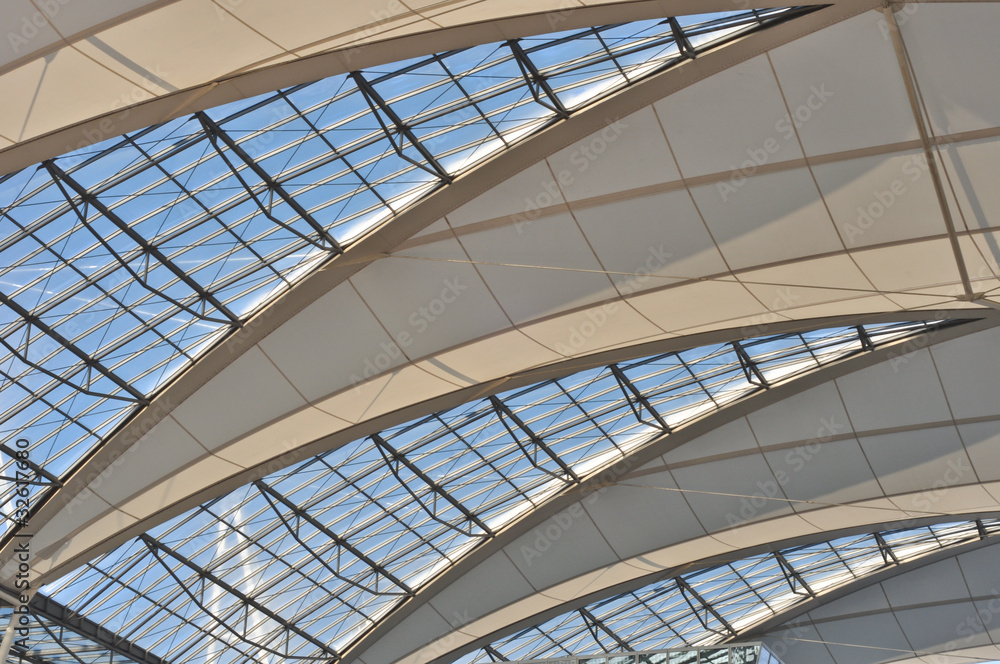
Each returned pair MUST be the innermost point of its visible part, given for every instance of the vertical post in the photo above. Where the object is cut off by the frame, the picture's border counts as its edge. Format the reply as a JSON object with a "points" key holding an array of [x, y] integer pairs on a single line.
{"points": [[8, 637]]}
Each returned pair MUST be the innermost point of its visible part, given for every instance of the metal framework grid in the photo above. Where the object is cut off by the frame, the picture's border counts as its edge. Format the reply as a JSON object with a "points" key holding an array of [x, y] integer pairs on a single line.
{"points": [[719, 604], [124, 262], [731, 653], [300, 564]]}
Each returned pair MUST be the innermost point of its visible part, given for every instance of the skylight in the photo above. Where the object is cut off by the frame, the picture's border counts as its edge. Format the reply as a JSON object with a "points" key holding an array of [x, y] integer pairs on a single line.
{"points": [[124, 262], [741, 595], [319, 552]]}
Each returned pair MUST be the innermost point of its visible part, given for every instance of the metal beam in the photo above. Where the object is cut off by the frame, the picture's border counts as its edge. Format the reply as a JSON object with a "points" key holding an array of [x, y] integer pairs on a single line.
{"points": [[91, 363], [377, 103], [39, 471], [120, 260], [829, 595], [681, 39], [631, 393], [64, 617], [157, 547], [494, 654], [294, 532], [594, 623], [501, 410], [391, 456], [536, 81], [270, 492], [792, 575], [750, 368], [886, 550], [194, 200], [88, 197], [866, 341], [687, 592], [916, 105], [215, 133]]}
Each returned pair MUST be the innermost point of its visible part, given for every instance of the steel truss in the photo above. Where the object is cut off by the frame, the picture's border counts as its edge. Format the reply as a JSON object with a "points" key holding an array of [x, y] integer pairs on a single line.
{"points": [[142, 207], [65, 619], [521, 439], [596, 626], [660, 615], [274, 498], [215, 302], [703, 609], [235, 621]]}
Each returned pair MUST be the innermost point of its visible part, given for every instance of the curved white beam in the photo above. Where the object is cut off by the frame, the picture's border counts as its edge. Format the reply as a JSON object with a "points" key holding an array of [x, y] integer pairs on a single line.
{"points": [[943, 612], [358, 339], [128, 65], [787, 252], [915, 436]]}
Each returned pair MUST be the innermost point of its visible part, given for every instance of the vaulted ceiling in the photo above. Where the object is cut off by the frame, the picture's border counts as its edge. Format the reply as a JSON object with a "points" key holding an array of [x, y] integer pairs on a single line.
{"points": [[321, 348]]}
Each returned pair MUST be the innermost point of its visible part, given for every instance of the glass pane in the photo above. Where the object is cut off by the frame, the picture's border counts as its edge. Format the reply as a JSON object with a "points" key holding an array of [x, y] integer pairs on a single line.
{"points": [[743, 654], [715, 656], [653, 658]]}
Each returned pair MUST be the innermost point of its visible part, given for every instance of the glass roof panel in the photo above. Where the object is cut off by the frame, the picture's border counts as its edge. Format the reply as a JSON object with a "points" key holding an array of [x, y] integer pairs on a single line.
{"points": [[718, 604], [330, 545], [123, 262]]}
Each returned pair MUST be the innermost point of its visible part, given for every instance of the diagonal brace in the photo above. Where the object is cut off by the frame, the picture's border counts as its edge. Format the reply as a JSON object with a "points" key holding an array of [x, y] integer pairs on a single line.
{"points": [[377, 103], [157, 547], [503, 410], [150, 248], [688, 592], [270, 492], [632, 392], [594, 623], [391, 456], [216, 133], [91, 363], [750, 368], [792, 576], [537, 81]]}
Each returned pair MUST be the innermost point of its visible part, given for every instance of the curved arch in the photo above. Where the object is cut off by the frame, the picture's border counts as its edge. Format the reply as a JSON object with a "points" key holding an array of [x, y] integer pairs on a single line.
{"points": [[736, 593], [907, 487], [947, 605], [554, 575], [910, 484], [534, 341], [352, 319], [234, 50]]}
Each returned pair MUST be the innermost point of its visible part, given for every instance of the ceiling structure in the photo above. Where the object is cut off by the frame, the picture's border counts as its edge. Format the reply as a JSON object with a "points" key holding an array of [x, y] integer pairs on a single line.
{"points": [[779, 588], [303, 373], [130, 64]]}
